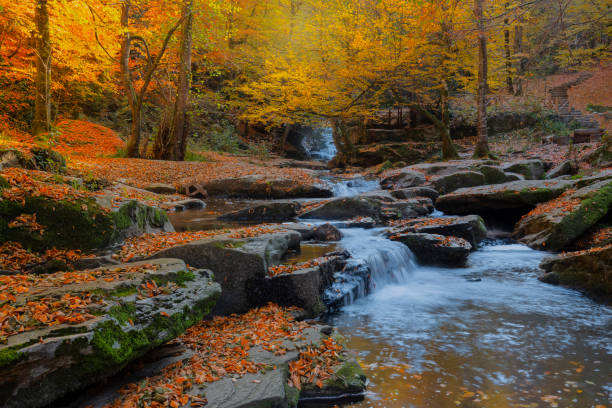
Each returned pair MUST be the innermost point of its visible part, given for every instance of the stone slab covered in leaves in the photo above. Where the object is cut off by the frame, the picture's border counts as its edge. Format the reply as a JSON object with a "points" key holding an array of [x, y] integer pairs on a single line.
{"points": [[91, 328], [240, 265]]}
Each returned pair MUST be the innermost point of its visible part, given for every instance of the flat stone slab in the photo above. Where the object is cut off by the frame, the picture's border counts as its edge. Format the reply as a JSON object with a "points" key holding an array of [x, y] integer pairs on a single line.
{"points": [[130, 317]]}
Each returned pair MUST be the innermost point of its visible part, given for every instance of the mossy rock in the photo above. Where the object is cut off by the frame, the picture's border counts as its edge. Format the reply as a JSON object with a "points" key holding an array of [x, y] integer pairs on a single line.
{"points": [[69, 224], [80, 355], [557, 228], [48, 160], [589, 272]]}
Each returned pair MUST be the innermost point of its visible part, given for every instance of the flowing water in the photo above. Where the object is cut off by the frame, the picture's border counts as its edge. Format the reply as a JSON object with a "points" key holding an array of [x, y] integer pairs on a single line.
{"points": [[320, 145], [489, 335]]}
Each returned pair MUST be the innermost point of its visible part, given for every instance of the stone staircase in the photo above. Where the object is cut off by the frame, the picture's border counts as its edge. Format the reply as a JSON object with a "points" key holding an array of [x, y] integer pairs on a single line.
{"points": [[560, 100]]}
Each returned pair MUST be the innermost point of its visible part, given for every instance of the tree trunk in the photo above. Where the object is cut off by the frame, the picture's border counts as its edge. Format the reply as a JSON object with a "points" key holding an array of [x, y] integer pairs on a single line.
{"points": [[482, 145], [518, 50], [42, 104], [448, 149], [133, 144], [509, 83], [171, 140]]}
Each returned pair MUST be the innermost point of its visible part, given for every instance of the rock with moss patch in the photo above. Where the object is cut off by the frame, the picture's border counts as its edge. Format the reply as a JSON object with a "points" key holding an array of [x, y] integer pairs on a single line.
{"points": [[530, 169], [556, 225], [240, 265], [262, 187], [78, 223], [493, 174], [565, 168], [588, 271], [44, 364]]}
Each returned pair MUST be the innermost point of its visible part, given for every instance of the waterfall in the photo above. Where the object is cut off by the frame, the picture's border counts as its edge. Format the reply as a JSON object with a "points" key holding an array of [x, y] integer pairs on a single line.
{"points": [[375, 262], [320, 145]]}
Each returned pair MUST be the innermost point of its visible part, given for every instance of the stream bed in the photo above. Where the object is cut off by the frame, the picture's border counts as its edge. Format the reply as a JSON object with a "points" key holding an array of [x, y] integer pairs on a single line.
{"points": [[489, 335]]}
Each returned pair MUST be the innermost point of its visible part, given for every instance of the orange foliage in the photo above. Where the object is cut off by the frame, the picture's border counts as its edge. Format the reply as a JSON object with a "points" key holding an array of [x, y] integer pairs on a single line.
{"points": [[288, 269], [86, 139], [15, 258]]}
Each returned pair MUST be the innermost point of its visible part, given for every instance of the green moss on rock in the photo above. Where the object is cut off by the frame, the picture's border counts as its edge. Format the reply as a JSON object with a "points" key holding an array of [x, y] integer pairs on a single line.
{"points": [[74, 224], [10, 356]]}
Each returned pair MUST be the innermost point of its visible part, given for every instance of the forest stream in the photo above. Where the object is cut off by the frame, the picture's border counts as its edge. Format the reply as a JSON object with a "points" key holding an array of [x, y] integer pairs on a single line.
{"points": [[488, 335]]}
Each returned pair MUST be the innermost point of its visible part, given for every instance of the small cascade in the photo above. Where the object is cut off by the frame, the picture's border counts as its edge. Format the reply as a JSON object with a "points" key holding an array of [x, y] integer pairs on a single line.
{"points": [[375, 262], [320, 145], [353, 187]]}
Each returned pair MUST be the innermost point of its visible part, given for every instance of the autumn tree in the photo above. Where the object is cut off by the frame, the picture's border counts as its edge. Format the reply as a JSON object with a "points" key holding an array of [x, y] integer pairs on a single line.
{"points": [[171, 140], [136, 96]]}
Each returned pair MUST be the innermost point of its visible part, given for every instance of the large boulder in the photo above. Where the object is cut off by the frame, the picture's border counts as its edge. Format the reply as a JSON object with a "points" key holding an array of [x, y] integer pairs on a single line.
{"points": [[517, 196], [589, 271], [434, 249], [106, 319], [261, 187], [273, 211], [460, 179], [471, 227], [402, 179], [346, 209], [556, 224], [240, 265], [530, 169], [34, 158], [160, 188]]}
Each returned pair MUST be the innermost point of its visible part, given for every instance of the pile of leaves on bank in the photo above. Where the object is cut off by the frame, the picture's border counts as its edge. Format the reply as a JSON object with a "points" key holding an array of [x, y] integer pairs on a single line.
{"points": [[222, 349]]}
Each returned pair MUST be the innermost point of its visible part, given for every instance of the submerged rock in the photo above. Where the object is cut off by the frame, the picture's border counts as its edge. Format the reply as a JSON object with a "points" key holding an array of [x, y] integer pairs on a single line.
{"points": [[556, 224], [434, 249], [327, 232], [589, 271], [37, 367]]}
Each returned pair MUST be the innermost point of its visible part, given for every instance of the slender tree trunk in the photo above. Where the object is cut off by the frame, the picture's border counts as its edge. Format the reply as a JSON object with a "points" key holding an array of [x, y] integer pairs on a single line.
{"points": [[171, 139], [482, 145], [518, 50], [133, 144], [181, 120], [42, 104], [448, 149], [509, 83]]}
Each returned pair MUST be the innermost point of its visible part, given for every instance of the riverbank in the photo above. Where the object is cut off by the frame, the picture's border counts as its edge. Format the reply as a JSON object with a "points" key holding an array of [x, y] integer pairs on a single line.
{"points": [[376, 242]]}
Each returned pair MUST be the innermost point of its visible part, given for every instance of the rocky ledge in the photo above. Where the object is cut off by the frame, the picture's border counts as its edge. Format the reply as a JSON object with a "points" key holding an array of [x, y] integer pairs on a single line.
{"points": [[71, 329]]}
